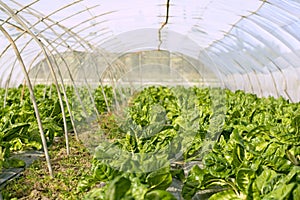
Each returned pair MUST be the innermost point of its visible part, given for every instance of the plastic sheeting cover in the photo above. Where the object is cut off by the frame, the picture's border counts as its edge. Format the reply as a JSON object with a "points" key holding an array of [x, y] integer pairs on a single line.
{"points": [[243, 44]]}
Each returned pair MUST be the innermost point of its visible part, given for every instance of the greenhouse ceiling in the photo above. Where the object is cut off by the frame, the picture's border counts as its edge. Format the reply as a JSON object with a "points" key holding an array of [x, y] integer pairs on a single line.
{"points": [[253, 45]]}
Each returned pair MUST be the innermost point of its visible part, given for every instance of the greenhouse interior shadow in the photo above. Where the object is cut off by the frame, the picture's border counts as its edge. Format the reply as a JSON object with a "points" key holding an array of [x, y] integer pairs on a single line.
{"points": [[171, 99]]}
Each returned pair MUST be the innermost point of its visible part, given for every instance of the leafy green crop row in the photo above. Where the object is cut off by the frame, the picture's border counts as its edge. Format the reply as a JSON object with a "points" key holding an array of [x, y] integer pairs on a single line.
{"points": [[249, 146], [258, 153], [18, 125]]}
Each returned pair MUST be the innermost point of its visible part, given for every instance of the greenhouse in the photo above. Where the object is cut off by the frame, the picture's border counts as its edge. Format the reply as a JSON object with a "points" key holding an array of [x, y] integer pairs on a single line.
{"points": [[161, 99]]}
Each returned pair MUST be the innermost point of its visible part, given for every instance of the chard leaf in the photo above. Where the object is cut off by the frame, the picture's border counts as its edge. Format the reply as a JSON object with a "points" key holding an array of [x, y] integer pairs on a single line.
{"points": [[138, 190], [159, 195], [274, 156], [160, 179], [85, 183], [296, 125], [262, 181], [271, 184], [14, 131], [244, 177], [95, 194], [198, 179], [281, 193], [217, 165], [296, 192], [103, 172], [291, 175], [117, 188], [179, 174], [225, 195], [35, 144], [193, 182]]}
